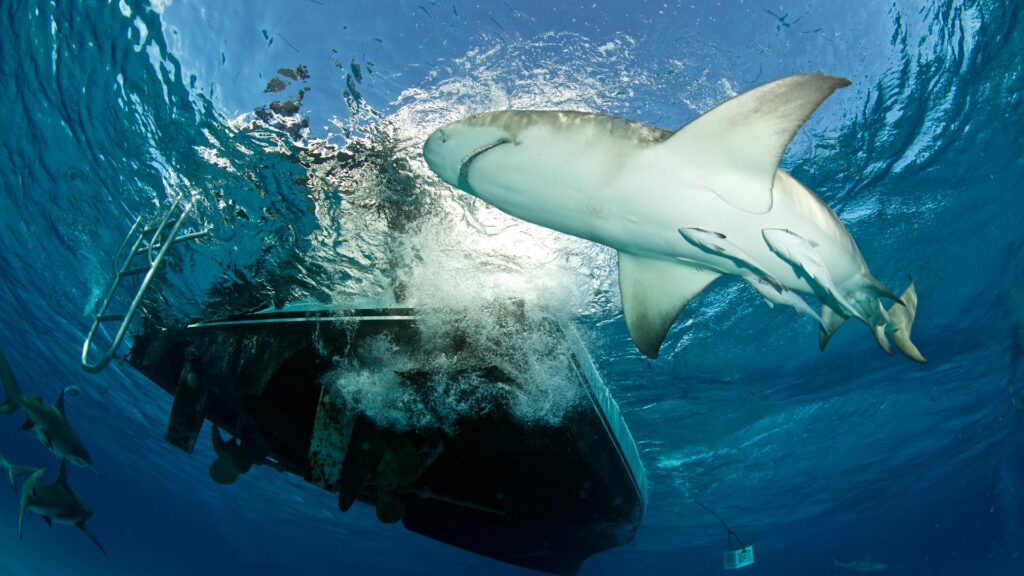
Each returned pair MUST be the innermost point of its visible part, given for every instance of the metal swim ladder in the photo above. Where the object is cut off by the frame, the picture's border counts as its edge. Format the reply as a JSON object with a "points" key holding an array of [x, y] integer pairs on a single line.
{"points": [[154, 241]]}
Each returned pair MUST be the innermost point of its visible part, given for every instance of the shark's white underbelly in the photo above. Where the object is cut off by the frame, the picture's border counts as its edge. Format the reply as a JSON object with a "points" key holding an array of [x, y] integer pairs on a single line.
{"points": [[640, 212]]}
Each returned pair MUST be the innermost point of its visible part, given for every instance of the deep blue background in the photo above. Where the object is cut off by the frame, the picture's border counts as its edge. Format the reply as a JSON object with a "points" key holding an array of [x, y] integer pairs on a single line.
{"points": [[111, 108]]}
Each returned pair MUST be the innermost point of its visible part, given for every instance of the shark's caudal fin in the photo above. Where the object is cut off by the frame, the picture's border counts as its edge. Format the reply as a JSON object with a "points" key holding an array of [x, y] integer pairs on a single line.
{"points": [[85, 530], [15, 470], [26, 493], [742, 140], [901, 320], [654, 293], [12, 392]]}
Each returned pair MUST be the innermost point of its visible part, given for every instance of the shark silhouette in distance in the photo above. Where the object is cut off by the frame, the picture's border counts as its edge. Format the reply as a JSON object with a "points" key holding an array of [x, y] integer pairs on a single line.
{"points": [[49, 423], [865, 565], [55, 502], [681, 208]]}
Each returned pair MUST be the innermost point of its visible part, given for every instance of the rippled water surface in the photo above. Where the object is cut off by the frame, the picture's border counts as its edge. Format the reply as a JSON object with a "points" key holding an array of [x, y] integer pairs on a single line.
{"points": [[296, 127]]}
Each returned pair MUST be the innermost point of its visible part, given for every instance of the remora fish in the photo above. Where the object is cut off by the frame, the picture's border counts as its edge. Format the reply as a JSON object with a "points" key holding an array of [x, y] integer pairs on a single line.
{"points": [[49, 423], [865, 565], [55, 502], [680, 208]]}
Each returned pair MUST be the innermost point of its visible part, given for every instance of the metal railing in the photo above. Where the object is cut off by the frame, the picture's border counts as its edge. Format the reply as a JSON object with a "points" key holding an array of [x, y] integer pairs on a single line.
{"points": [[154, 241]]}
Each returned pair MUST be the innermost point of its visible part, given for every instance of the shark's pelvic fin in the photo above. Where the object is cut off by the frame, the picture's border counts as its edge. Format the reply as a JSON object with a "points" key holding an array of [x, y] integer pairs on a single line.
{"points": [[654, 293], [901, 320], [742, 140], [26, 493]]}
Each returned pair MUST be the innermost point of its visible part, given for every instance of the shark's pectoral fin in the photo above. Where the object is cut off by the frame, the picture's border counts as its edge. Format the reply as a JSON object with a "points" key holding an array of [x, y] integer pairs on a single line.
{"points": [[741, 140], [901, 320], [28, 424], [85, 530], [654, 293]]}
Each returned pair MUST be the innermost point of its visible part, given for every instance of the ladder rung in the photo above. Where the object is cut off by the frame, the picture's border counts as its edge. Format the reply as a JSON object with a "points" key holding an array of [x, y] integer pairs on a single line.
{"points": [[134, 271], [110, 317], [182, 238]]}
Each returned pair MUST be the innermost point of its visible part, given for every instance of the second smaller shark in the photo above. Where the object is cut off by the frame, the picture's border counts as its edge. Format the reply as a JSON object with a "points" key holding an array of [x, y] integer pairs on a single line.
{"points": [[55, 502], [49, 423]]}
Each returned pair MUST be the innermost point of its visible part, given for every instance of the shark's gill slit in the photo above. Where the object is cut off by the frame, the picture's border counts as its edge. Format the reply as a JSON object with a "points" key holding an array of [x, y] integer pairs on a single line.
{"points": [[464, 168]]}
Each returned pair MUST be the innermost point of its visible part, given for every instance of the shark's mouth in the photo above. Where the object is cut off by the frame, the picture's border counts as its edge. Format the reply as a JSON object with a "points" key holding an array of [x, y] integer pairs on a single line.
{"points": [[463, 182]]}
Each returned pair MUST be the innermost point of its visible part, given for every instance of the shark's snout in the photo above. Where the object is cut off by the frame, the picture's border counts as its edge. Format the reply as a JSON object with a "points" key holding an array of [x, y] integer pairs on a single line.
{"points": [[450, 150]]}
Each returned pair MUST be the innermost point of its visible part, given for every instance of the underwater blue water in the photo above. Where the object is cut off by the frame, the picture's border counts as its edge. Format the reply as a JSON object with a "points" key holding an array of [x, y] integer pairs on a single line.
{"points": [[110, 109]]}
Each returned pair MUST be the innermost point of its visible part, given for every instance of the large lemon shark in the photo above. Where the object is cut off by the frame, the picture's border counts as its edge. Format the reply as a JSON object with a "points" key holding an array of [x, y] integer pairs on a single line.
{"points": [[681, 208]]}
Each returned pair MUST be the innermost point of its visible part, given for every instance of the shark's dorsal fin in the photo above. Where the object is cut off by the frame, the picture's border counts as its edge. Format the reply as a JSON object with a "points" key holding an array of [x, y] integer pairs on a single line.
{"points": [[62, 478], [654, 293], [739, 143]]}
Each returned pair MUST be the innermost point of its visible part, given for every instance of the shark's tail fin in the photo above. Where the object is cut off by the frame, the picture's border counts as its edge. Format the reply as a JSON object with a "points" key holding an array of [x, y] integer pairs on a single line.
{"points": [[26, 493], [12, 392], [14, 470], [85, 530], [901, 320]]}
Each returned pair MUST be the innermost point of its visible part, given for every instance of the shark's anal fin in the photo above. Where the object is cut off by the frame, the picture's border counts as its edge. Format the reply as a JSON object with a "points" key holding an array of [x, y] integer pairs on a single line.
{"points": [[830, 322], [742, 140], [654, 293], [85, 530]]}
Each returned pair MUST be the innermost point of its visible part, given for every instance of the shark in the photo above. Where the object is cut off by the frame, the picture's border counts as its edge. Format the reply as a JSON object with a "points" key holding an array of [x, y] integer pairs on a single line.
{"points": [[55, 502], [682, 208], [865, 565], [49, 423]]}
